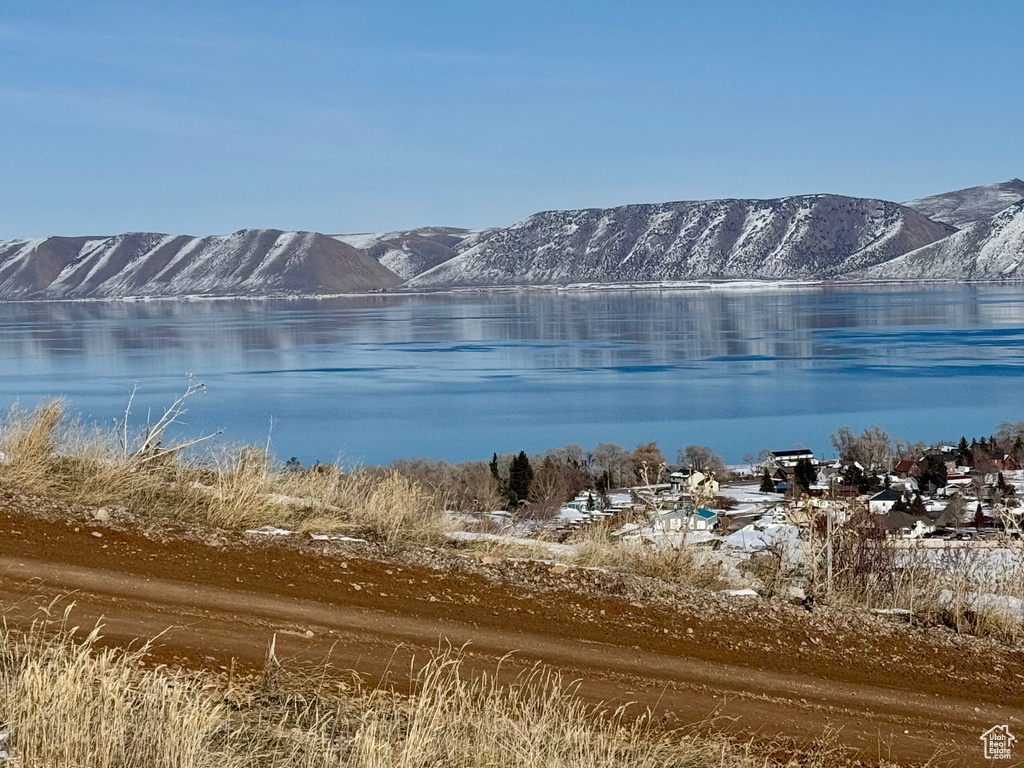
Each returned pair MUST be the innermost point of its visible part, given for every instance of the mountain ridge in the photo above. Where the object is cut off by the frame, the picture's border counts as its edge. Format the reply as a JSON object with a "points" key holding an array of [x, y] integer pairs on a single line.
{"points": [[251, 262], [991, 249], [802, 236], [964, 207], [409, 252]]}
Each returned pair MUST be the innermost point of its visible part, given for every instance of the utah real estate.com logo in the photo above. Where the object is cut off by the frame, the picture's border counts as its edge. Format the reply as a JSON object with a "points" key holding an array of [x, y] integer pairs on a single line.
{"points": [[998, 741]]}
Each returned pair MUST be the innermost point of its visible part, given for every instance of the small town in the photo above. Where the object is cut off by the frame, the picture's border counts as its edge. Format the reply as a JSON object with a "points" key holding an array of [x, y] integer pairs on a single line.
{"points": [[965, 493], [931, 497], [787, 522]]}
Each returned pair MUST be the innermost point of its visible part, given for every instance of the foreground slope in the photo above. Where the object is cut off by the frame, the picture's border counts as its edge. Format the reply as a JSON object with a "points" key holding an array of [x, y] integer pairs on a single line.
{"points": [[248, 263], [964, 207], [410, 252], [810, 236], [759, 667], [991, 249]]}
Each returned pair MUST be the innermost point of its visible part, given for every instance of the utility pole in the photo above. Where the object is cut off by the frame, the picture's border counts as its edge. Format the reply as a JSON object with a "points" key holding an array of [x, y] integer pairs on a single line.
{"points": [[828, 537], [828, 561]]}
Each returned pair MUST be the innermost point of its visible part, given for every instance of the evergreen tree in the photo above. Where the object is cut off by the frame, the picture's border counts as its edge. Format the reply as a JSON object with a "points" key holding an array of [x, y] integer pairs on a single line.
{"points": [[963, 451], [520, 478], [804, 474], [916, 507], [934, 474], [767, 485], [853, 475], [494, 468]]}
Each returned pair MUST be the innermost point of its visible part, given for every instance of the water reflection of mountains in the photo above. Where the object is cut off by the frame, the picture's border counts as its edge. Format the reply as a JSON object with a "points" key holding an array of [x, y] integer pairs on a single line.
{"points": [[552, 329]]}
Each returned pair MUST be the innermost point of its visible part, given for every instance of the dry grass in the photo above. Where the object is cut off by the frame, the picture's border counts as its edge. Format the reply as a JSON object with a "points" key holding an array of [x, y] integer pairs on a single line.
{"points": [[231, 487], [28, 441], [69, 703], [48, 454], [974, 590], [679, 564]]}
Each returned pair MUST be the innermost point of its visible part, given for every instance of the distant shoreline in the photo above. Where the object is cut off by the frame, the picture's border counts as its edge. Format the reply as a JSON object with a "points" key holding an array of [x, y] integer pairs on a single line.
{"points": [[737, 285]]}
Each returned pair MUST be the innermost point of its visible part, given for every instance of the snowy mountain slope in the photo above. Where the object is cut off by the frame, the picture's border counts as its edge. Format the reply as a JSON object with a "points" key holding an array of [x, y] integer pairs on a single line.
{"points": [[964, 207], [409, 252], [806, 236], [990, 249], [249, 262]]}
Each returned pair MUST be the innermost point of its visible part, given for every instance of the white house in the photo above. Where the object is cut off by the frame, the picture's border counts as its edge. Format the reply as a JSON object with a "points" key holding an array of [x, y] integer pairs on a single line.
{"points": [[699, 485], [788, 459], [588, 501], [883, 501], [703, 520], [905, 484], [692, 520]]}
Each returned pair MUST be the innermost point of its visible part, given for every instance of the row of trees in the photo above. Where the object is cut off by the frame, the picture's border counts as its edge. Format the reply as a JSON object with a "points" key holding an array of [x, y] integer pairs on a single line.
{"points": [[874, 449], [804, 476], [538, 485]]}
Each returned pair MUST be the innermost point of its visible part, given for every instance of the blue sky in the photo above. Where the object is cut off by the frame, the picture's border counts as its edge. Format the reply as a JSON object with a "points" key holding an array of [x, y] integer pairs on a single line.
{"points": [[207, 117]]}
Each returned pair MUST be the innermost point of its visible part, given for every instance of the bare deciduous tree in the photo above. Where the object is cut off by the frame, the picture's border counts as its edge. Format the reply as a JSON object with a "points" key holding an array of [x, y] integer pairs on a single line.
{"points": [[871, 448], [701, 459]]}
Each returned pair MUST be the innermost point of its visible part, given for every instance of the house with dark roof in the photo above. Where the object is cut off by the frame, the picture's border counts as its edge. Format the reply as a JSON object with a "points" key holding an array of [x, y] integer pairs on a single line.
{"points": [[906, 526], [790, 458], [883, 501]]}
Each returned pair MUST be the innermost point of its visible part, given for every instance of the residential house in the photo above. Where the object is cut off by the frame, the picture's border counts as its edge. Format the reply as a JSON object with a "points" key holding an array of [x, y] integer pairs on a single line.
{"points": [[905, 526], [790, 458], [948, 453], [677, 480], [958, 481], [700, 485], [906, 484], [883, 501], [587, 501], [783, 478], [689, 519], [1006, 463], [703, 520], [907, 468]]}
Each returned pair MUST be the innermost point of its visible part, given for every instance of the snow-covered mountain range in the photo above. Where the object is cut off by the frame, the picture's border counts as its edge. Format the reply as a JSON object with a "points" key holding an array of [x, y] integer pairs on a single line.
{"points": [[990, 249], [409, 252], [249, 262], [975, 233], [810, 236], [969, 206]]}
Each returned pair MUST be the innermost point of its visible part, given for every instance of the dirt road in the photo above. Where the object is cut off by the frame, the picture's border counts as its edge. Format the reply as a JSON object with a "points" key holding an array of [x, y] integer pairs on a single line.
{"points": [[891, 692]]}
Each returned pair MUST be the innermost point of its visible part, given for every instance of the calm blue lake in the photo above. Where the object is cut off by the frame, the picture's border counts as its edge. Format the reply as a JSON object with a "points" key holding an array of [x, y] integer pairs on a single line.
{"points": [[457, 377]]}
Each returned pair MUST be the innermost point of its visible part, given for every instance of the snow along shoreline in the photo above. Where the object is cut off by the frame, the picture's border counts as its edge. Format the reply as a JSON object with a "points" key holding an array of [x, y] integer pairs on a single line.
{"points": [[668, 286]]}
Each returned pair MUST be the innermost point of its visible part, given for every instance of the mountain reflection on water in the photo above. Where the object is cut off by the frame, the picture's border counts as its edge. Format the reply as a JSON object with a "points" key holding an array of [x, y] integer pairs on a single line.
{"points": [[458, 376]]}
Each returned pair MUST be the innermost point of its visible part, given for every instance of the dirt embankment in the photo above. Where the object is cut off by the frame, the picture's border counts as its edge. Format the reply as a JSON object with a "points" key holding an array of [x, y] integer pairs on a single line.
{"points": [[760, 668]]}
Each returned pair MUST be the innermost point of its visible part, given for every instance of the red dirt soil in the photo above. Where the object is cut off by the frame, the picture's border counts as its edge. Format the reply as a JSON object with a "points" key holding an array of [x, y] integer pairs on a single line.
{"points": [[763, 670]]}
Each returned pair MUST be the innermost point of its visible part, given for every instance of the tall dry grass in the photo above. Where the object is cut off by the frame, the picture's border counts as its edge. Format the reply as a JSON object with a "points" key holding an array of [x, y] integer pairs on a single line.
{"points": [[48, 454], [975, 590], [69, 703], [679, 564], [28, 441]]}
